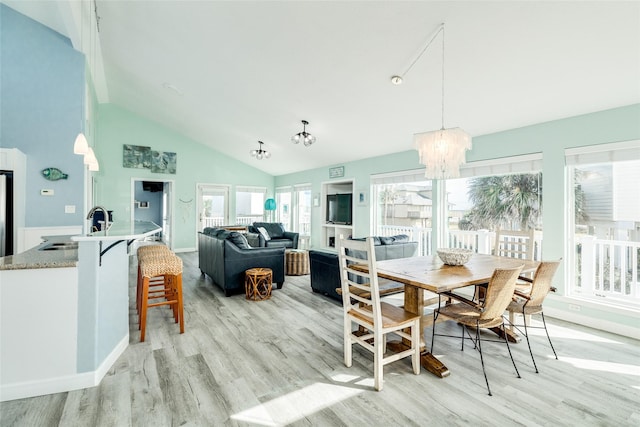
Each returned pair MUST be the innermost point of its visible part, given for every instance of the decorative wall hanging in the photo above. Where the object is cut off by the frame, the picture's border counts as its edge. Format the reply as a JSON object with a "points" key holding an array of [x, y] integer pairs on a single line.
{"points": [[54, 174], [141, 157], [337, 172]]}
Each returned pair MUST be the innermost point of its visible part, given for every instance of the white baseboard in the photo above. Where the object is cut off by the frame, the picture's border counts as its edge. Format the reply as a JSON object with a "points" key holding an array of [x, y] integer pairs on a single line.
{"points": [[595, 323], [64, 383]]}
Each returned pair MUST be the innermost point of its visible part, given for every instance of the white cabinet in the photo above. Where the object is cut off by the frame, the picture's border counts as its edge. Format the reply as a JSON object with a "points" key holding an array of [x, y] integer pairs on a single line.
{"points": [[337, 211]]}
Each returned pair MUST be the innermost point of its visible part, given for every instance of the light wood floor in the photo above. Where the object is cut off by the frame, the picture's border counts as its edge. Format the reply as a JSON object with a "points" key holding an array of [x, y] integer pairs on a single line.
{"points": [[280, 362]]}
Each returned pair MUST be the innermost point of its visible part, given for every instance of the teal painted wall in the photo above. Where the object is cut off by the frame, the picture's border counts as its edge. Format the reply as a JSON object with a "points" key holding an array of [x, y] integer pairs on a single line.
{"points": [[550, 139], [197, 164], [41, 92]]}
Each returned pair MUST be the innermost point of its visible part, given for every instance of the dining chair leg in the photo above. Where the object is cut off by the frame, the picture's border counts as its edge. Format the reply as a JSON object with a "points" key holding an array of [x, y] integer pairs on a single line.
{"points": [[526, 334], [509, 348], [548, 337], [378, 366], [479, 346], [464, 328], [433, 328], [347, 342], [416, 332]]}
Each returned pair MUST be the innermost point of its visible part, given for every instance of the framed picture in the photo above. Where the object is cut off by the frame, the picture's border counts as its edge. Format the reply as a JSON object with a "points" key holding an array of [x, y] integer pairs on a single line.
{"points": [[337, 172], [362, 197], [316, 200], [143, 205]]}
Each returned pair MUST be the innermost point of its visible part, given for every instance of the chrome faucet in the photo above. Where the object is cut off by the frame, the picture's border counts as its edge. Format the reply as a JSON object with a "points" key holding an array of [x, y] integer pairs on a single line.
{"points": [[106, 215]]}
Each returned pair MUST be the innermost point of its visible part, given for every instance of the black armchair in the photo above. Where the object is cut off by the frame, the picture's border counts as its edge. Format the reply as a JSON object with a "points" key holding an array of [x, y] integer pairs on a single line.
{"points": [[276, 235]]}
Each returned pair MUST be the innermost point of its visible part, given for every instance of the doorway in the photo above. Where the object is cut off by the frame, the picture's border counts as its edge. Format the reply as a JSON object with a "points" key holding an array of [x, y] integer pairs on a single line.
{"points": [[152, 200], [213, 205]]}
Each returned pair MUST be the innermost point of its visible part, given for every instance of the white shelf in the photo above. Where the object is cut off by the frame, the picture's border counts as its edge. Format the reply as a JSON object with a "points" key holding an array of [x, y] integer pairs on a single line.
{"points": [[331, 231]]}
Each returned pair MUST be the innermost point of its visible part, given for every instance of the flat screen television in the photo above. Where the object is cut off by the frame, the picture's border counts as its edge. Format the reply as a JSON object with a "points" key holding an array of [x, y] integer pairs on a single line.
{"points": [[339, 208]]}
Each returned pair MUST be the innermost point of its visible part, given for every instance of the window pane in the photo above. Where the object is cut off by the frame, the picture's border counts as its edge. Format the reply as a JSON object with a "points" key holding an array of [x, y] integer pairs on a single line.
{"points": [[283, 208], [249, 206], [606, 230]]}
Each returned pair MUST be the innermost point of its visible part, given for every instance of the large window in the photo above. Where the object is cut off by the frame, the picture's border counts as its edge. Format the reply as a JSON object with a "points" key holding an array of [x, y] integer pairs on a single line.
{"points": [[283, 206], [403, 204], [504, 193], [250, 204], [604, 222]]}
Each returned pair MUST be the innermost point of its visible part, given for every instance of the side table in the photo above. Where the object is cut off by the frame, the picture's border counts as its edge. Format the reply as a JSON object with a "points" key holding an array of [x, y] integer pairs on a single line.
{"points": [[296, 262], [257, 283]]}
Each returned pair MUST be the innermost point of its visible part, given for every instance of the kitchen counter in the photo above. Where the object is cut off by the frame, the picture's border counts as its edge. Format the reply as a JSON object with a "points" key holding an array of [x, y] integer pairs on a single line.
{"points": [[37, 258]]}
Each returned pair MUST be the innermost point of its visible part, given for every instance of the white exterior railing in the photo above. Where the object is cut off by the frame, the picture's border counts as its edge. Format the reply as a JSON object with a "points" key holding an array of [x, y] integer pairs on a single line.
{"points": [[607, 268], [218, 221]]}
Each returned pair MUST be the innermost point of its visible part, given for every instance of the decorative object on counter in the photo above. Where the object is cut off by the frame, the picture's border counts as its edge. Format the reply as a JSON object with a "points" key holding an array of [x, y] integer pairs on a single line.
{"points": [[303, 136], [141, 157], [260, 153], [54, 174], [454, 256]]}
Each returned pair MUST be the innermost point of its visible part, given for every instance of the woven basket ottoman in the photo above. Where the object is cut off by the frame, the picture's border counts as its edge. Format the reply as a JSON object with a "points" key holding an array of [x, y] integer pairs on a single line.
{"points": [[296, 262]]}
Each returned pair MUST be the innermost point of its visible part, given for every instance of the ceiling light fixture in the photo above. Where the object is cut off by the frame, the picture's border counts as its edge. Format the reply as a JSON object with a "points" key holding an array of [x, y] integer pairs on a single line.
{"points": [[260, 153], [442, 151], [304, 136]]}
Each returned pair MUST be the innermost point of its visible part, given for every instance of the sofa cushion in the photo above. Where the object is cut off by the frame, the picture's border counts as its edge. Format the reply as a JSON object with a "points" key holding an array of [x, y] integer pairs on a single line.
{"points": [[275, 229], [238, 239], [265, 234]]}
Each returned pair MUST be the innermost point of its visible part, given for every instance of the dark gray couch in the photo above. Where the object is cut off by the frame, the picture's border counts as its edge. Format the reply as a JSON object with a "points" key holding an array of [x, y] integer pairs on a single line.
{"points": [[225, 256], [278, 237], [325, 270]]}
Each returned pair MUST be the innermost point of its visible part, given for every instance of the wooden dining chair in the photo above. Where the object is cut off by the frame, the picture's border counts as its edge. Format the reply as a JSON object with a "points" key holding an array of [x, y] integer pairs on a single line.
{"points": [[528, 303], [362, 306], [515, 244], [487, 314]]}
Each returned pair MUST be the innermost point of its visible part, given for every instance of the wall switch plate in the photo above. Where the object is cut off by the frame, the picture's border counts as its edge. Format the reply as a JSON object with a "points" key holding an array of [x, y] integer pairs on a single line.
{"points": [[46, 192], [70, 209]]}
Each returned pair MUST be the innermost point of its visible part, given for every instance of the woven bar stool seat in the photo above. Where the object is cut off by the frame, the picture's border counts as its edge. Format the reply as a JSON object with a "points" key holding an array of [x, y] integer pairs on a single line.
{"points": [[169, 268], [145, 252], [258, 283]]}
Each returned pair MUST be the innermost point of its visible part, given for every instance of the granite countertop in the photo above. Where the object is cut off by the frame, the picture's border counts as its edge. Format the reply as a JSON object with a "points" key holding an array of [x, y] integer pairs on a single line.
{"points": [[36, 258]]}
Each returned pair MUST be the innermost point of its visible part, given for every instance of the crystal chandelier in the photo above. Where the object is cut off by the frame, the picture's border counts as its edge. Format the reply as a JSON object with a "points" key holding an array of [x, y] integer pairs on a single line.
{"points": [[304, 136], [260, 153], [442, 151]]}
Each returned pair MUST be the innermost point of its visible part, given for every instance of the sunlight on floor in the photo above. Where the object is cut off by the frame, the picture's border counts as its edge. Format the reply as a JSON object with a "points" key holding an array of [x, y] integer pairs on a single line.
{"points": [[298, 404], [597, 365], [559, 332]]}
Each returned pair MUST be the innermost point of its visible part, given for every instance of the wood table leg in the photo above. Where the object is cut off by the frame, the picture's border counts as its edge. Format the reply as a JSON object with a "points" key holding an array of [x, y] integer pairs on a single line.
{"points": [[511, 335], [414, 302]]}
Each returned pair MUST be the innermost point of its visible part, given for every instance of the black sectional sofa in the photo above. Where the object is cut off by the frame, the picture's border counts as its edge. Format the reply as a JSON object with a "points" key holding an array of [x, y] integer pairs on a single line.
{"points": [[225, 256], [325, 270]]}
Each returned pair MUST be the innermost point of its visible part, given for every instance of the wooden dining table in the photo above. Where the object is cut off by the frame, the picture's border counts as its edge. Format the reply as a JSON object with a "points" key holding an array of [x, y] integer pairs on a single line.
{"points": [[431, 274]]}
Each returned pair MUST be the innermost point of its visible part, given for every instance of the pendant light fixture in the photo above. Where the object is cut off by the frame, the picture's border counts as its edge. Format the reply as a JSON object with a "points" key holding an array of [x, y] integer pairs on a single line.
{"points": [[260, 153], [442, 151], [303, 136], [81, 146]]}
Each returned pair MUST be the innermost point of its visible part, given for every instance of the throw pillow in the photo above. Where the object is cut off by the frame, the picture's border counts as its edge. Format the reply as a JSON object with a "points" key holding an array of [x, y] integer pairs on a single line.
{"points": [[264, 233]]}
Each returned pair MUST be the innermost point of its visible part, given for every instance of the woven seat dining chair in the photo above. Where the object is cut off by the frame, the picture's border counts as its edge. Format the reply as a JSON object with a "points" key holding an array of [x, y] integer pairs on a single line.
{"points": [[362, 306], [488, 314], [528, 303]]}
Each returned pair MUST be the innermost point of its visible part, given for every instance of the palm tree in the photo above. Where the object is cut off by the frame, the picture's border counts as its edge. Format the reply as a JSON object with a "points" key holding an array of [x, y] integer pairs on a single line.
{"points": [[505, 201]]}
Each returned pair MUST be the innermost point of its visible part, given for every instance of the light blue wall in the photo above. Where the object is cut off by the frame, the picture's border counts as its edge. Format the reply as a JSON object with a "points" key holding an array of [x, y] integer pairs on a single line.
{"points": [[197, 164], [41, 95]]}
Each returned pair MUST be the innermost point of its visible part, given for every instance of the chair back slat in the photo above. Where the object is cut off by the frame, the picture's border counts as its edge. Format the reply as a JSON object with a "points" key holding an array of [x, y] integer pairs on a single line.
{"points": [[366, 303], [515, 244], [499, 292]]}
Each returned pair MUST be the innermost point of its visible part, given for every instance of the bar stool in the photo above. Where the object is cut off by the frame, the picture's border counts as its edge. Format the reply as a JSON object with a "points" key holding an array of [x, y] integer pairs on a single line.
{"points": [[145, 252], [169, 267]]}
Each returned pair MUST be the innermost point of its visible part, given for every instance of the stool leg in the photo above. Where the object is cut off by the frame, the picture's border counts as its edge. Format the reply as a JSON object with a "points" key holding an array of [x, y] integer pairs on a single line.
{"points": [[180, 301], [143, 307]]}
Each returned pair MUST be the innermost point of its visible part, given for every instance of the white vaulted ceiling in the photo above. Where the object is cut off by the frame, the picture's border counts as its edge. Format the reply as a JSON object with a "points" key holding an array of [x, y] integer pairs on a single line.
{"points": [[228, 74]]}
